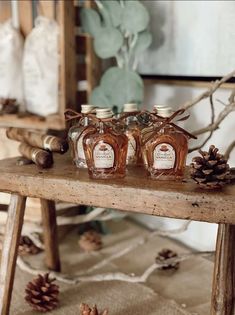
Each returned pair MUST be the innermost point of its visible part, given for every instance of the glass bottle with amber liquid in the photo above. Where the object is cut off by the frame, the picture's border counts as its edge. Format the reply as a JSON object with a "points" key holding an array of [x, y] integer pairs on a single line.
{"points": [[132, 132], [165, 146], [106, 148], [76, 134]]}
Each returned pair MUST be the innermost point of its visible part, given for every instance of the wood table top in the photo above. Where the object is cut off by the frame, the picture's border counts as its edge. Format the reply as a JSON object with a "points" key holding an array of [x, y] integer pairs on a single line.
{"points": [[134, 193]]}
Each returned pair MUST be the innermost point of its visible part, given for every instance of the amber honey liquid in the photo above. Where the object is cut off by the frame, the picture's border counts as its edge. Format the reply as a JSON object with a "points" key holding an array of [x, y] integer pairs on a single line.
{"points": [[106, 153], [134, 156], [165, 154]]}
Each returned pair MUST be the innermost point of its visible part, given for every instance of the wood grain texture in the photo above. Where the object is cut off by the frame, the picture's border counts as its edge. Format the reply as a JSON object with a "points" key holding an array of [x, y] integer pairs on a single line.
{"points": [[136, 192], [5, 10], [50, 234], [93, 62], [54, 122], [10, 249], [224, 272], [68, 81]]}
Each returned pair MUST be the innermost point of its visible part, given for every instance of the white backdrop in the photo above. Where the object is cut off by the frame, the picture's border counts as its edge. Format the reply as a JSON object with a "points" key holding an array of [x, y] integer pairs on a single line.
{"points": [[191, 38]]}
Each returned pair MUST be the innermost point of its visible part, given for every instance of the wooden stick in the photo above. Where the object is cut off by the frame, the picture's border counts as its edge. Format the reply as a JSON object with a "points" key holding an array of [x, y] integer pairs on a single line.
{"points": [[70, 279], [215, 85], [224, 276], [50, 234], [10, 249]]}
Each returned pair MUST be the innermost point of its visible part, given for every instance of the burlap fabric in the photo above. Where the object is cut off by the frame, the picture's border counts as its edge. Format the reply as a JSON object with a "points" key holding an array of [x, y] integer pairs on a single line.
{"points": [[182, 292]]}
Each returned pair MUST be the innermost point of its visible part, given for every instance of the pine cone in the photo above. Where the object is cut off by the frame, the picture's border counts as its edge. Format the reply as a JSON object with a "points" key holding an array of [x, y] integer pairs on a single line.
{"points": [[27, 247], [8, 106], [210, 170], [42, 293], [86, 310], [90, 241], [165, 254]]}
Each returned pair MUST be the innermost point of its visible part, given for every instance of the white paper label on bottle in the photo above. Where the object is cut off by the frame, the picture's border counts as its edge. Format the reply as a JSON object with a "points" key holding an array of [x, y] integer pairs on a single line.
{"points": [[131, 151], [103, 155], [80, 149], [164, 156]]}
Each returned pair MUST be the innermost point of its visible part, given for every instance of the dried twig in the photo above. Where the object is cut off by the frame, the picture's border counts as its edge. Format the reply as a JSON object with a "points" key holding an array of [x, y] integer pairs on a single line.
{"points": [[229, 150], [141, 241], [222, 115], [211, 132], [215, 85], [25, 266]]}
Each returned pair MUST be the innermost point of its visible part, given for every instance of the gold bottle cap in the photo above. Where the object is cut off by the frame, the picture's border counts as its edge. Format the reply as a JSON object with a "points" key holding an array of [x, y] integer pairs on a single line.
{"points": [[162, 110], [130, 107], [86, 108], [104, 113]]}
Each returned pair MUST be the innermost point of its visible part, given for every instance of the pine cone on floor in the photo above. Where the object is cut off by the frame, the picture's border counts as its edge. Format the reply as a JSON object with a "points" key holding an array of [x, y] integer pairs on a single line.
{"points": [[210, 170], [86, 310], [27, 246], [90, 241], [165, 254], [42, 293]]}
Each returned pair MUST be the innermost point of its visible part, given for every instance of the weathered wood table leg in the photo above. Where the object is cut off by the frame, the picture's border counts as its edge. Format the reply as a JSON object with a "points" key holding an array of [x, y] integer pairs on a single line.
{"points": [[50, 234], [13, 229], [224, 272]]}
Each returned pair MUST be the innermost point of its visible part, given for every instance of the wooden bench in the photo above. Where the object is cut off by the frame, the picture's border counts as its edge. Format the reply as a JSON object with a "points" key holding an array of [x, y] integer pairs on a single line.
{"points": [[135, 193]]}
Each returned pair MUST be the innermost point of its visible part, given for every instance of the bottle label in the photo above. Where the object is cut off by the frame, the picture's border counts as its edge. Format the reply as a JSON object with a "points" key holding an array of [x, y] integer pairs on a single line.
{"points": [[103, 155], [131, 151], [164, 156], [80, 149]]}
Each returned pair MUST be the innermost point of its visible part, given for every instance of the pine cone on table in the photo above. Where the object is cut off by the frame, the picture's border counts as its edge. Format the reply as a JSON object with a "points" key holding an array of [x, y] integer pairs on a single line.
{"points": [[210, 170], [27, 246], [42, 293], [90, 241], [86, 310], [165, 254]]}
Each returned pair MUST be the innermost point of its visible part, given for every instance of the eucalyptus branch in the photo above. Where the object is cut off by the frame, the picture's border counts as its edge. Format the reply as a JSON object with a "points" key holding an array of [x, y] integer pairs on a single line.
{"points": [[215, 85]]}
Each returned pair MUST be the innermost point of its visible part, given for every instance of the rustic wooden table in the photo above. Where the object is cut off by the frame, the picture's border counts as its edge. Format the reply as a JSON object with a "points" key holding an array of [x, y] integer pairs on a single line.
{"points": [[134, 193]]}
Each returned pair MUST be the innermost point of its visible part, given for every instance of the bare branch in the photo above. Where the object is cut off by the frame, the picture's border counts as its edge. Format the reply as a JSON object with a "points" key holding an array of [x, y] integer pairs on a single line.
{"points": [[215, 85], [211, 132], [222, 115], [230, 148], [25, 266]]}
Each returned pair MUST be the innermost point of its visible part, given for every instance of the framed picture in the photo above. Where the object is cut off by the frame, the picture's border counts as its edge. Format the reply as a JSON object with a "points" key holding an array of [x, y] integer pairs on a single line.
{"points": [[192, 41]]}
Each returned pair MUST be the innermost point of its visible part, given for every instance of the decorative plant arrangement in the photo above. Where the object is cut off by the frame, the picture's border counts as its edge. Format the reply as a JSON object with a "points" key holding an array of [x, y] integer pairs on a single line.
{"points": [[120, 31]]}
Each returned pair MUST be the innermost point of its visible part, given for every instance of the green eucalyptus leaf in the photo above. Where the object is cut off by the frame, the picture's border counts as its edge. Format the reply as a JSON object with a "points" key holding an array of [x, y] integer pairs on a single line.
{"points": [[108, 42], [115, 11], [90, 21], [104, 13], [122, 86], [98, 98], [143, 42], [135, 17]]}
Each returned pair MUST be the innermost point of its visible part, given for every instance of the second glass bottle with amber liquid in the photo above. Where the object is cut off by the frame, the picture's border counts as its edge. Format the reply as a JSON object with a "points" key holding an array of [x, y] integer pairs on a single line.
{"points": [[105, 148], [165, 149]]}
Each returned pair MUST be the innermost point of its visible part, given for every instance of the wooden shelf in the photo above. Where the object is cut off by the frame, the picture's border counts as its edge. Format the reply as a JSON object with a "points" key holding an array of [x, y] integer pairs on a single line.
{"points": [[136, 192], [55, 122]]}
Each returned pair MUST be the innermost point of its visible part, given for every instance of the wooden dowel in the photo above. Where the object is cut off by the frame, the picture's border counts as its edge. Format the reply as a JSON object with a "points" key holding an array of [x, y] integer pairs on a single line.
{"points": [[14, 224], [224, 276], [50, 234]]}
